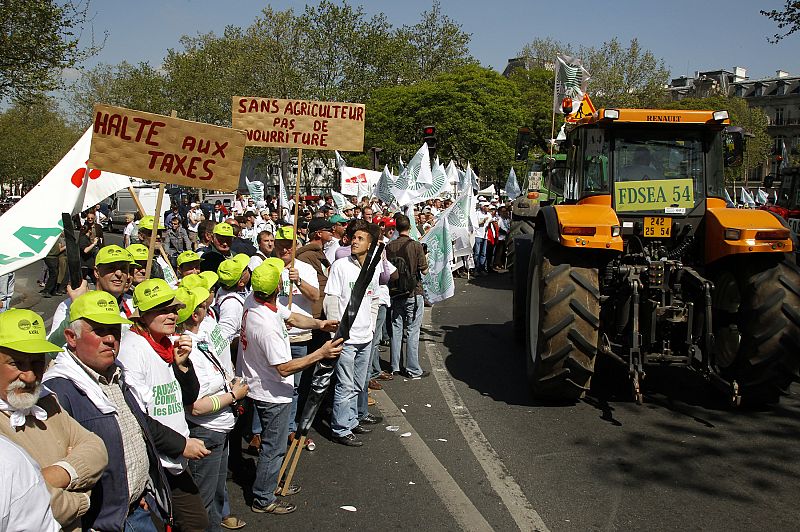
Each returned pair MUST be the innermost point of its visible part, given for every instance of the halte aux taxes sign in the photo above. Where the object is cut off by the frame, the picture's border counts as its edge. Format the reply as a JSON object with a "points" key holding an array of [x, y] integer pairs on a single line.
{"points": [[166, 149], [278, 123]]}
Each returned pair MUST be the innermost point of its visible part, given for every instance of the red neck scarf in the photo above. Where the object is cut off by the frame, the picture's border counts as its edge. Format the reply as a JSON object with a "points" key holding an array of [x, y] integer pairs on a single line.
{"points": [[164, 349]]}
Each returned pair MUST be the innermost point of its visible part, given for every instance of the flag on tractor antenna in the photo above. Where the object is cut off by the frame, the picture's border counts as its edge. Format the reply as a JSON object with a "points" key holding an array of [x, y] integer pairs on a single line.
{"points": [[256, 189], [339, 200], [339, 160], [728, 201], [761, 197], [438, 282], [572, 80], [32, 226], [512, 189]]}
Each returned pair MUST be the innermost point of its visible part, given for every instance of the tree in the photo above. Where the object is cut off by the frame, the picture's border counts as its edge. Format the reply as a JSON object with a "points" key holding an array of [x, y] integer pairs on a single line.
{"points": [[33, 138], [788, 19], [476, 112], [38, 40], [536, 100], [621, 76]]}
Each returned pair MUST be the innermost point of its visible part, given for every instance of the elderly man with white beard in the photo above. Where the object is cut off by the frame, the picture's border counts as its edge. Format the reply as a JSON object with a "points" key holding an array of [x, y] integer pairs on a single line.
{"points": [[71, 458]]}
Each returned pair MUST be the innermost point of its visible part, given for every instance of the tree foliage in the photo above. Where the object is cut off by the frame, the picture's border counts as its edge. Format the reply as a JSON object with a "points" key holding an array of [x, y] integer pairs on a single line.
{"points": [[788, 19], [38, 40], [33, 138], [622, 76], [476, 112]]}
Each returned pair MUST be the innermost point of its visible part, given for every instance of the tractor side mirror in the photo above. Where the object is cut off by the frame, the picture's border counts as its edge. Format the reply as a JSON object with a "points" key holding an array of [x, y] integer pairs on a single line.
{"points": [[733, 146]]}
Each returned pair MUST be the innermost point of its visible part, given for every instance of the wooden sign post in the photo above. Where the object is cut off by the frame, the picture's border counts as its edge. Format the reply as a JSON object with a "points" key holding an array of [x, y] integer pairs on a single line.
{"points": [[281, 123]]}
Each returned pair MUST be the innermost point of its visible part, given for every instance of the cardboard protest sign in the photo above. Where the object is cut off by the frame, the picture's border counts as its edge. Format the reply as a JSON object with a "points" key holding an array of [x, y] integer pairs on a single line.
{"points": [[165, 149], [278, 123]]}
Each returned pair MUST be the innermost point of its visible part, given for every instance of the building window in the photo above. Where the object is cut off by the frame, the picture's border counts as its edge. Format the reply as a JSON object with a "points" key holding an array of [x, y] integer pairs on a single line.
{"points": [[318, 171], [778, 116]]}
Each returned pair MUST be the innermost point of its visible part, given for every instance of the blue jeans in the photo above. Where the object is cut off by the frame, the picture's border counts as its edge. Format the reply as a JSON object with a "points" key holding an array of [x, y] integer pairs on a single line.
{"points": [[274, 422], [211, 472], [375, 358], [407, 316], [479, 254], [298, 351], [139, 521], [351, 373]]}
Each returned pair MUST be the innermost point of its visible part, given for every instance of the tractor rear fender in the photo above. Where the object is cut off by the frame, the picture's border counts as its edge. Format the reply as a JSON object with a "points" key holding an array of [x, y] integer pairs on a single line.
{"points": [[582, 226], [735, 231]]}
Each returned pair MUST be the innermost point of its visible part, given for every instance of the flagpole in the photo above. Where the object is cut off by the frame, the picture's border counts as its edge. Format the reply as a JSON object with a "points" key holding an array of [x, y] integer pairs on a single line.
{"points": [[296, 211]]}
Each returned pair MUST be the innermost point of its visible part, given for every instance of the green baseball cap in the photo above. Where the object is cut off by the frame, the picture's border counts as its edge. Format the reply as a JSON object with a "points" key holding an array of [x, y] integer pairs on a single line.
{"points": [[152, 293], [23, 330], [338, 219], [284, 232], [139, 253], [97, 306], [267, 277], [111, 254], [230, 270], [192, 298], [147, 223], [210, 277], [223, 229], [188, 256]]}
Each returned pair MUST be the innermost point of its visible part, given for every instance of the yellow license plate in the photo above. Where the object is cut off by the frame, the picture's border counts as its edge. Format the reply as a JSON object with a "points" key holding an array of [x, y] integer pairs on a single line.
{"points": [[657, 227]]}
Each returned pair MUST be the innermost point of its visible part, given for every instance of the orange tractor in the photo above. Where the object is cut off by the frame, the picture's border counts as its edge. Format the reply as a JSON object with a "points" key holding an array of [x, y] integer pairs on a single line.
{"points": [[639, 260]]}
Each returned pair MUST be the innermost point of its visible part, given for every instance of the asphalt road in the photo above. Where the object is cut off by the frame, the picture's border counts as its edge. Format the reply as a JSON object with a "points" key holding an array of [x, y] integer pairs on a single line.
{"points": [[482, 455]]}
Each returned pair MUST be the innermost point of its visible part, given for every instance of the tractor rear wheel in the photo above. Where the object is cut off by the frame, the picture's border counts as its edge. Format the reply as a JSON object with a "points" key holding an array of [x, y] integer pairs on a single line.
{"points": [[518, 228], [757, 326], [562, 333]]}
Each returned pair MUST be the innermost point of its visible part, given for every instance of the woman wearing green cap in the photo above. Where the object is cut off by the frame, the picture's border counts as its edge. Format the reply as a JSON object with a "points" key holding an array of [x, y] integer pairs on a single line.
{"points": [[164, 383], [213, 415]]}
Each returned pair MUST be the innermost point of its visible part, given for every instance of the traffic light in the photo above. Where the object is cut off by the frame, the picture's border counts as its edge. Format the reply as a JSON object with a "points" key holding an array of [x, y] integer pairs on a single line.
{"points": [[523, 144], [429, 138]]}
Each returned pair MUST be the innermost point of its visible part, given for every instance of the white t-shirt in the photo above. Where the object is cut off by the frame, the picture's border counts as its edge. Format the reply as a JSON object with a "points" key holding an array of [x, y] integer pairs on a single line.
{"points": [[231, 307], [330, 250], [24, 499], [343, 275], [193, 219], [128, 231], [480, 230], [264, 343], [300, 304], [156, 389], [214, 371]]}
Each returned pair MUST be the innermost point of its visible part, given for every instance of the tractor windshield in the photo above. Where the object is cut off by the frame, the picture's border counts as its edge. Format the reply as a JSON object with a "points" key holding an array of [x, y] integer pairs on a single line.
{"points": [[658, 171]]}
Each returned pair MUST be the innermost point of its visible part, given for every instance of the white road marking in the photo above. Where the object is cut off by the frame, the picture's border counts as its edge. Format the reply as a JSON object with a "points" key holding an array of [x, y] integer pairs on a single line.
{"points": [[452, 496], [521, 510]]}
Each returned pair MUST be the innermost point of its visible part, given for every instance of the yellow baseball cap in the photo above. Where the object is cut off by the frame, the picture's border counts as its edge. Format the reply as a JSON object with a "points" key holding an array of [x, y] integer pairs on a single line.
{"points": [[188, 256], [147, 223], [152, 293], [206, 280], [191, 298], [210, 277], [139, 253], [223, 229], [230, 270], [97, 306], [284, 232], [267, 277], [23, 330], [111, 254]]}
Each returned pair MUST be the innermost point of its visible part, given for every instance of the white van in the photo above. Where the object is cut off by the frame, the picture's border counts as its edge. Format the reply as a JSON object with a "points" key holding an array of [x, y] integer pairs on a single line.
{"points": [[122, 204]]}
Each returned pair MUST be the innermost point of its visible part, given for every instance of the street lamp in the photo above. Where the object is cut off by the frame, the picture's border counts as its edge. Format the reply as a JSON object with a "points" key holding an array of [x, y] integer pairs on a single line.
{"points": [[374, 156]]}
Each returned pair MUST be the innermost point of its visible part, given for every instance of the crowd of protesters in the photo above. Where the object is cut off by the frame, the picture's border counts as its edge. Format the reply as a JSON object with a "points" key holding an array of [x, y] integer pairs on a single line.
{"points": [[130, 412]]}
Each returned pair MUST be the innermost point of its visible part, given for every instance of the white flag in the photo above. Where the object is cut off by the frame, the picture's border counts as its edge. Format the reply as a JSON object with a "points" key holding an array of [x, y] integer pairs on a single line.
{"points": [[31, 227], [284, 197], [459, 222], [512, 189], [339, 160], [402, 165], [438, 282], [571, 81], [761, 197], [339, 200], [747, 198], [384, 187], [256, 189], [728, 201]]}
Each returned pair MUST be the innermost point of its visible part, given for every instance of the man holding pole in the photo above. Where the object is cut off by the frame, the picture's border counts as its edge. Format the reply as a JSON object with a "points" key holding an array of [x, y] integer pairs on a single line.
{"points": [[266, 362]]}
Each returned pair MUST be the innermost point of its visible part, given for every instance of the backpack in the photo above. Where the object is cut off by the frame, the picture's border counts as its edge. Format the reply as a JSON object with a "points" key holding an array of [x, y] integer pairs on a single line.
{"points": [[406, 281]]}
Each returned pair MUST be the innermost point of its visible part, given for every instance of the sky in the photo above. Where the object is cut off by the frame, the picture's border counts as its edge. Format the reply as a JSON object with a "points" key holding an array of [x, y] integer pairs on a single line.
{"points": [[689, 35]]}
